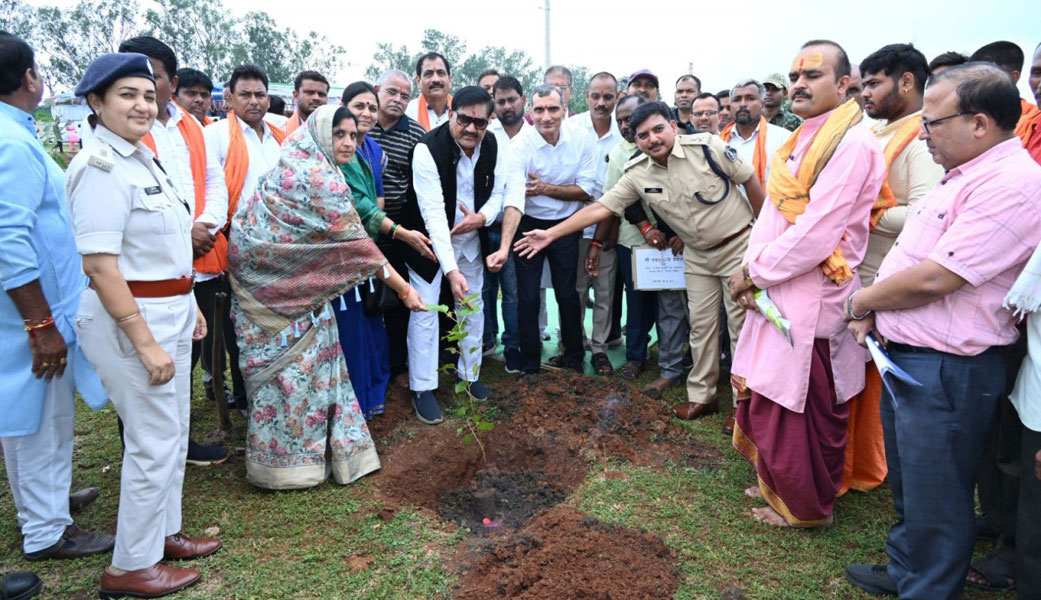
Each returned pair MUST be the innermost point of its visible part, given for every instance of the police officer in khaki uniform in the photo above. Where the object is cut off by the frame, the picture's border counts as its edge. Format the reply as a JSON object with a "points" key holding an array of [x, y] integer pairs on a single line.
{"points": [[137, 320], [693, 183]]}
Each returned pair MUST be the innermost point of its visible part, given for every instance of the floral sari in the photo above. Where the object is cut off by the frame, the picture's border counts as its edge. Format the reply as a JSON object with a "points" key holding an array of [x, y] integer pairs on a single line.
{"points": [[297, 244]]}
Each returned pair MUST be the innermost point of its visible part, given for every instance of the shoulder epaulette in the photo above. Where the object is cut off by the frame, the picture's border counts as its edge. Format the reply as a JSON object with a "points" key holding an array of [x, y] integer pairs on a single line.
{"points": [[101, 157]]}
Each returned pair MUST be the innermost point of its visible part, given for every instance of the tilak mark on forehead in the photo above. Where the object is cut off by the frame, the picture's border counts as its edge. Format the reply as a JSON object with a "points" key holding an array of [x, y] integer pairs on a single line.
{"points": [[810, 61]]}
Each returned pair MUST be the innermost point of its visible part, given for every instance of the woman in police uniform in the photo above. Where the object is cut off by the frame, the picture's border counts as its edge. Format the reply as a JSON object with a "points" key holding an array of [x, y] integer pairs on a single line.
{"points": [[137, 320]]}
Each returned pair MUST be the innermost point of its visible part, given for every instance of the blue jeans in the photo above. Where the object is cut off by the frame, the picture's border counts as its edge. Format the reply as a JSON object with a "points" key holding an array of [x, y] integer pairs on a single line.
{"points": [[507, 278], [934, 438], [641, 309]]}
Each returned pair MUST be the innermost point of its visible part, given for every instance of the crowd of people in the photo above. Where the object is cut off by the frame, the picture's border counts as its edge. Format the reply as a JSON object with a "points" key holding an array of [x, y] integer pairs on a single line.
{"points": [[894, 204]]}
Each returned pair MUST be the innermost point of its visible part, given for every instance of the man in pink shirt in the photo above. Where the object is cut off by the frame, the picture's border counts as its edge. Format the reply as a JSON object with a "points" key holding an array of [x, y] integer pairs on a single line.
{"points": [[938, 300], [791, 415]]}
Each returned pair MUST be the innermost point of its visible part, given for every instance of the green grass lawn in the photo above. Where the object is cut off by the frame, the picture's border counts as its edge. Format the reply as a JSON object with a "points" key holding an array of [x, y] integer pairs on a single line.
{"points": [[329, 542]]}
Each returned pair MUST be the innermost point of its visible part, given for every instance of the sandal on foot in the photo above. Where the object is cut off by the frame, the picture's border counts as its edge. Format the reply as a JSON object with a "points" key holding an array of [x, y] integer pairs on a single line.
{"points": [[998, 573], [602, 364]]}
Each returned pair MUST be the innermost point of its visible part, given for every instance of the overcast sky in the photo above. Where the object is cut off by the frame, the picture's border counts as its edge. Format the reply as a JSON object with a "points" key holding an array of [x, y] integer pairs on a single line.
{"points": [[725, 41]]}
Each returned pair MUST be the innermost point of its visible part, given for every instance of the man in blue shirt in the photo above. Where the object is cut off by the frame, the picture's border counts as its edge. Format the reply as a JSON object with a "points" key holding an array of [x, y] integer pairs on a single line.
{"points": [[40, 363]]}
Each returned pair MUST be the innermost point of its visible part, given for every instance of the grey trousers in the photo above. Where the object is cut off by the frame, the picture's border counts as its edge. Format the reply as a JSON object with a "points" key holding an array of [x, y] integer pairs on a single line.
{"points": [[603, 294]]}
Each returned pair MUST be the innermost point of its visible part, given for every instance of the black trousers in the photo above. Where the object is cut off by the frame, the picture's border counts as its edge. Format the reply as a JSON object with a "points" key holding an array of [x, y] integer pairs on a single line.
{"points": [[206, 295], [1009, 491], [396, 319], [563, 260]]}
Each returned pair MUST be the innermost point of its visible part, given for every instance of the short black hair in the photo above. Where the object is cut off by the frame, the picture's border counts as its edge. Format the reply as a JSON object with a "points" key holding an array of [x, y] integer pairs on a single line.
{"points": [[246, 71], [696, 79], [509, 82], [648, 110], [896, 59], [630, 98], [342, 113], [358, 87], [277, 106], [152, 48], [843, 68], [722, 94], [486, 73], [187, 78], [312, 76], [947, 59], [472, 95], [704, 95], [16, 57], [983, 87], [432, 56], [1006, 55], [605, 75]]}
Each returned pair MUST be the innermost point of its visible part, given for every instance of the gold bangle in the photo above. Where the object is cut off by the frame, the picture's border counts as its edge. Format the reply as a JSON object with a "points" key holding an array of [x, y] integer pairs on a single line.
{"points": [[129, 317]]}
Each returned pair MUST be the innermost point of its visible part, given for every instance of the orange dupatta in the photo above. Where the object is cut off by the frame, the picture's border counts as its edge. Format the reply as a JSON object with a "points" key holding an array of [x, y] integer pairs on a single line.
{"points": [[236, 165], [421, 111], [759, 155], [1025, 125], [791, 193], [216, 259], [293, 123], [904, 135]]}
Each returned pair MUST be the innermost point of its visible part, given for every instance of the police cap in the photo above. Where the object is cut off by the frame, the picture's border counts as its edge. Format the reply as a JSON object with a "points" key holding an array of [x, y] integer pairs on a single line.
{"points": [[109, 67]]}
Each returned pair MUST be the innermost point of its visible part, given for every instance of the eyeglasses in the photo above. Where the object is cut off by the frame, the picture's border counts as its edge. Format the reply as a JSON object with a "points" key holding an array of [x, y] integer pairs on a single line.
{"points": [[704, 113], [465, 121], [927, 124]]}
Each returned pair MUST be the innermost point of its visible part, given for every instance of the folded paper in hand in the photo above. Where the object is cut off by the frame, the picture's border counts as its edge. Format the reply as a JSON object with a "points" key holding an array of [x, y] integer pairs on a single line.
{"points": [[886, 366]]}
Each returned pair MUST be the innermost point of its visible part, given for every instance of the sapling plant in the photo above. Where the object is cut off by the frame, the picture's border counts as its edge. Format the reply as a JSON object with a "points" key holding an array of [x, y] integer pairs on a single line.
{"points": [[472, 414]]}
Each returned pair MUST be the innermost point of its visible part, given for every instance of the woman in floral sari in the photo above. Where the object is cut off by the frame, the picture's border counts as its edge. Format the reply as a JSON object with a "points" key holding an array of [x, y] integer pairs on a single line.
{"points": [[297, 244]]}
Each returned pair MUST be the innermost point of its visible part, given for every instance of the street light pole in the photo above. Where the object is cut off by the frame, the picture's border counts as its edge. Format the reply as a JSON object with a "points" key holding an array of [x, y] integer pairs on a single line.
{"points": [[546, 10]]}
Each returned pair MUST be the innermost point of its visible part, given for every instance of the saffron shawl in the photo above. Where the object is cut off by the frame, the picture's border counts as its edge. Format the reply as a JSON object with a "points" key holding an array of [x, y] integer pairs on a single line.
{"points": [[298, 242]]}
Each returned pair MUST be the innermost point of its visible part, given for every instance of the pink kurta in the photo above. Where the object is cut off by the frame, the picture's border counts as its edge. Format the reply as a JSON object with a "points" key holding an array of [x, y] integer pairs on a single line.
{"points": [[784, 259]]}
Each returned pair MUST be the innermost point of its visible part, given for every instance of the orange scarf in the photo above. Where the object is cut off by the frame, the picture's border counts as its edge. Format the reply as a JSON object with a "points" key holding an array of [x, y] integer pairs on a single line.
{"points": [[791, 193], [1033, 142], [1025, 125], [236, 165], [904, 135], [293, 123], [216, 259], [422, 115], [759, 155]]}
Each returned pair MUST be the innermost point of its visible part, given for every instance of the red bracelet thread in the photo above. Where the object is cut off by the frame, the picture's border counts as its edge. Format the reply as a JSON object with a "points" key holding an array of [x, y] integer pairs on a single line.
{"points": [[646, 228]]}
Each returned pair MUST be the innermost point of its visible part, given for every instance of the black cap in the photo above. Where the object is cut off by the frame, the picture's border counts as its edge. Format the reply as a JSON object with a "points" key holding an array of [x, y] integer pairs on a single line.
{"points": [[107, 68]]}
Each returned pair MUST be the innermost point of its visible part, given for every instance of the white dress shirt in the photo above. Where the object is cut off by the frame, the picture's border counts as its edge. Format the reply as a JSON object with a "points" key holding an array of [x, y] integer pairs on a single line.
{"points": [[775, 138], [582, 124], [431, 200], [263, 154], [176, 160], [412, 110], [572, 161]]}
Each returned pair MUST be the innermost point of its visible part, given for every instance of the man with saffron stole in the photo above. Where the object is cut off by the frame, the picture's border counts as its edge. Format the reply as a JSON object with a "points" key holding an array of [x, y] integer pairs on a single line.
{"points": [[893, 83], [295, 245], [1029, 130], [246, 147], [804, 251], [434, 78]]}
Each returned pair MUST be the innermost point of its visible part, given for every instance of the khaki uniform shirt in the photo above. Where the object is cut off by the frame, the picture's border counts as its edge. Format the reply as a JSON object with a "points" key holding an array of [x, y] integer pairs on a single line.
{"points": [[911, 176], [671, 190]]}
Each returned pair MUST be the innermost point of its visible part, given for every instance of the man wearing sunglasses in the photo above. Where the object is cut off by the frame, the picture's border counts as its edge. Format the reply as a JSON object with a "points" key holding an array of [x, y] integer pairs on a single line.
{"points": [[938, 301], [457, 185]]}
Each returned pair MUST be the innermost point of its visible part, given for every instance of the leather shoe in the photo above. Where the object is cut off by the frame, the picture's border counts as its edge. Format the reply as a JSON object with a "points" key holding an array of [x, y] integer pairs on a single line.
{"points": [[74, 543], [152, 582], [81, 498], [693, 410], [20, 586], [873, 579], [728, 425], [182, 547], [656, 388]]}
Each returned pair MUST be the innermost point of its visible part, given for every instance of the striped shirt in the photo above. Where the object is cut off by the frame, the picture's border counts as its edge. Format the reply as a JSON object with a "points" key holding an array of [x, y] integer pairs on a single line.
{"points": [[396, 142]]}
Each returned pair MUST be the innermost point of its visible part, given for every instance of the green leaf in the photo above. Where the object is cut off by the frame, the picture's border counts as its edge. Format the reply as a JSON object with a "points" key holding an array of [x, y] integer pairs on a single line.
{"points": [[485, 426], [460, 386], [472, 297], [473, 349], [468, 438], [459, 431], [441, 308]]}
